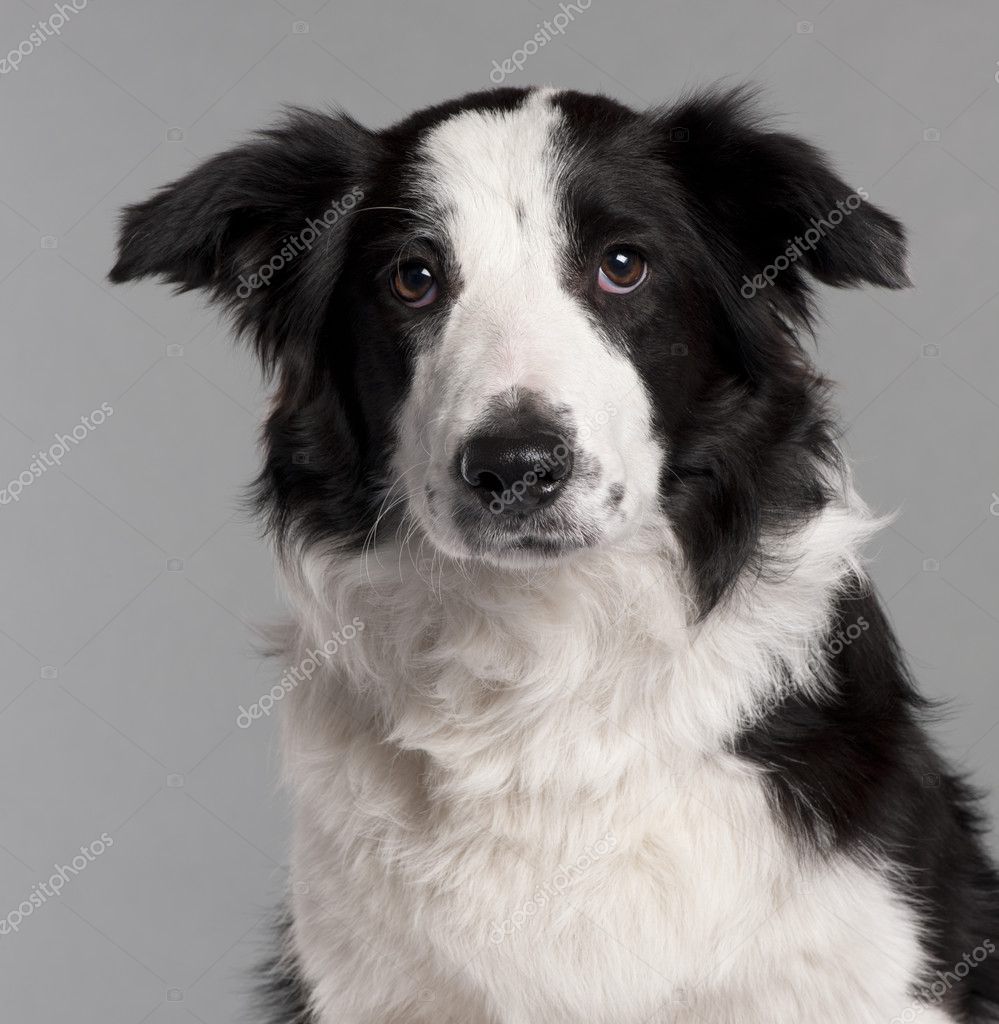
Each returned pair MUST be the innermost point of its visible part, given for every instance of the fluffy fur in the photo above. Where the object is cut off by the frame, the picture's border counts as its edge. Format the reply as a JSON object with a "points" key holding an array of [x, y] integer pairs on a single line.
{"points": [[648, 754]]}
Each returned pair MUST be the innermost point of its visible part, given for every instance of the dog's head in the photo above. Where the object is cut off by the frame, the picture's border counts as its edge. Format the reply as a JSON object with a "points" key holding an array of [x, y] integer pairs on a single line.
{"points": [[529, 322]]}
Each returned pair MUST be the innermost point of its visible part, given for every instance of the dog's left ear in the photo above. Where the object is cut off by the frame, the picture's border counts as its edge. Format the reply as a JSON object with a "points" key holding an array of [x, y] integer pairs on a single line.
{"points": [[771, 202], [260, 227]]}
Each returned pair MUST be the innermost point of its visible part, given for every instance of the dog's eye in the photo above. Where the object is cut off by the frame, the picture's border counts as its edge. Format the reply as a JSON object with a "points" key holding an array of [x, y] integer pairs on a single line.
{"points": [[413, 283], [621, 271]]}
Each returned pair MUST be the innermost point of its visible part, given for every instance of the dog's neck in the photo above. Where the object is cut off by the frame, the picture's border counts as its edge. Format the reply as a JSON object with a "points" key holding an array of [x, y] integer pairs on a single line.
{"points": [[503, 678]]}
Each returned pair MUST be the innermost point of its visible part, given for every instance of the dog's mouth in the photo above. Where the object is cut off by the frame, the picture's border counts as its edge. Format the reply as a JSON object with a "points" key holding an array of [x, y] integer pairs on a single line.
{"points": [[543, 545], [471, 532], [534, 545]]}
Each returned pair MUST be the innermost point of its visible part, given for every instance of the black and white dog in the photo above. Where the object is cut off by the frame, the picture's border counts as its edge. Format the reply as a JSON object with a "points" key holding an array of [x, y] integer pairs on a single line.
{"points": [[615, 731]]}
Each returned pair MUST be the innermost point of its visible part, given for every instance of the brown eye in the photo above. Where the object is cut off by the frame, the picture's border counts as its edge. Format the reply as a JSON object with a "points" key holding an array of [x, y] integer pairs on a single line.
{"points": [[621, 271], [414, 283]]}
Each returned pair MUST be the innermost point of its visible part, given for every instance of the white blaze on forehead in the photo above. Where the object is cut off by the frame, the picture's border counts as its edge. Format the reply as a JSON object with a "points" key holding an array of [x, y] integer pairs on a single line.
{"points": [[497, 178]]}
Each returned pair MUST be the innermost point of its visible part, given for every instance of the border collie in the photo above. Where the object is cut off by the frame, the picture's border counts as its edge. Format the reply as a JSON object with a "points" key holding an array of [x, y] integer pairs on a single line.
{"points": [[614, 730]]}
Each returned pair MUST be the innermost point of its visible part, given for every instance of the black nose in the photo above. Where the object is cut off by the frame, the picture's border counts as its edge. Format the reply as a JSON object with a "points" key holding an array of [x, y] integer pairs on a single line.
{"points": [[513, 472]]}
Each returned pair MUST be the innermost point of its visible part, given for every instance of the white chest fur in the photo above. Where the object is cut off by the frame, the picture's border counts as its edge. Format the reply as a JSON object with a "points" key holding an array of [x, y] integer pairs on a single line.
{"points": [[513, 803]]}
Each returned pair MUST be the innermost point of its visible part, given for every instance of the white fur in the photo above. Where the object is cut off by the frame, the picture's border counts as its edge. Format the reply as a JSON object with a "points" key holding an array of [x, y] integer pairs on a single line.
{"points": [[513, 799]]}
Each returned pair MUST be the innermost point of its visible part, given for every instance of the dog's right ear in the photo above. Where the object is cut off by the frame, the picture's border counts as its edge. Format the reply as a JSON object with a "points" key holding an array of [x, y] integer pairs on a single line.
{"points": [[260, 227]]}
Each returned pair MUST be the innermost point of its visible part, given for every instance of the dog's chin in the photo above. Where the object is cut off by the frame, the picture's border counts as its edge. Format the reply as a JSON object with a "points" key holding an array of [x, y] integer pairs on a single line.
{"points": [[531, 543], [530, 551]]}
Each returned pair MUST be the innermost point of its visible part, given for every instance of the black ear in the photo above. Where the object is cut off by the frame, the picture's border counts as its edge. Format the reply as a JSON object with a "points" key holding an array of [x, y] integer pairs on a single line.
{"points": [[769, 205], [260, 226]]}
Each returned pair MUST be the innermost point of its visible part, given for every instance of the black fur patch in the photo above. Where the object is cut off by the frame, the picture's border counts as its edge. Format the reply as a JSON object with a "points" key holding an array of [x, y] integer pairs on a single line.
{"points": [[858, 772], [284, 997]]}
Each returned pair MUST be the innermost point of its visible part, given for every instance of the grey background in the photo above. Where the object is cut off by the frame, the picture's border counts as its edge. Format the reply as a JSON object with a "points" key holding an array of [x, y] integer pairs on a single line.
{"points": [[133, 581]]}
